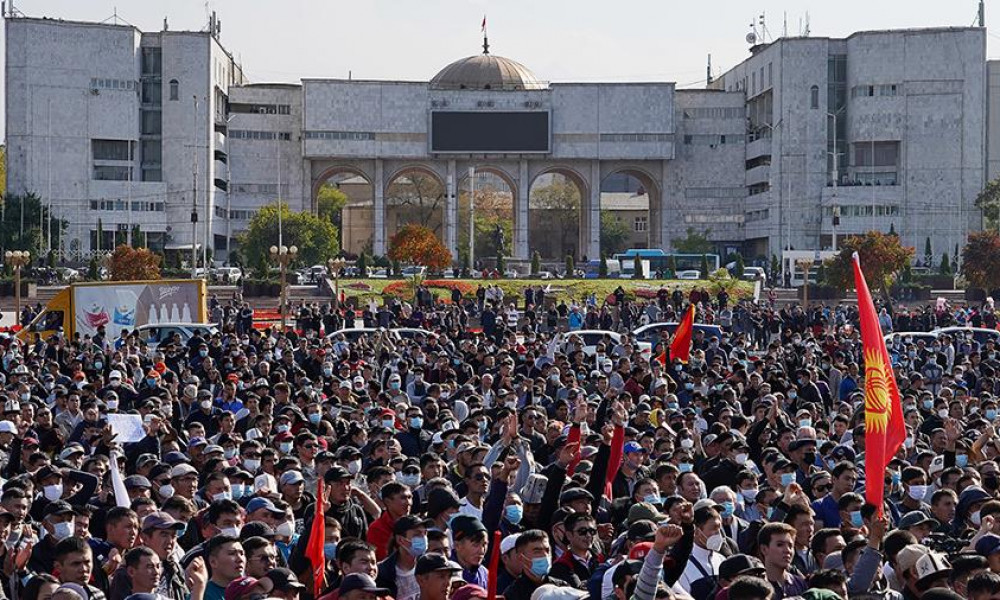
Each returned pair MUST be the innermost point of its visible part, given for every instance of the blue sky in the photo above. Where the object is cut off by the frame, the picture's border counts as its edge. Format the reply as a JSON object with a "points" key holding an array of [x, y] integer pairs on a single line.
{"points": [[561, 40]]}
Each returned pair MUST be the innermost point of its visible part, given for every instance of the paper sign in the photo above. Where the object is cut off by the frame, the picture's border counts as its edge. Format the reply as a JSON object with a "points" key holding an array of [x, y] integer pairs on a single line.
{"points": [[127, 427]]}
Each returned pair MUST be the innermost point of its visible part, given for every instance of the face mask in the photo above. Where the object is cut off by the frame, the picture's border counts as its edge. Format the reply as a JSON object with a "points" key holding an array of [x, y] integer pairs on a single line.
{"points": [[327, 372], [330, 550], [238, 490], [389, 423], [285, 447], [394, 385], [514, 513], [416, 422], [252, 464], [896, 477], [53, 492], [714, 543], [927, 404], [793, 395], [233, 531], [917, 492], [206, 404], [975, 518], [689, 386], [418, 546], [151, 381], [672, 405], [114, 383], [112, 404], [687, 443], [540, 566], [961, 460], [285, 529], [787, 479], [741, 458], [728, 508], [908, 442], [203, 353], [991, 414], [283, 428], [315, 418], [856, 521], [651, 498], [354, 467], [221, 496], [943, 413], [685, 467], [166, 491], [749, 494], [805, 423], [411, 480], [61, 531]]}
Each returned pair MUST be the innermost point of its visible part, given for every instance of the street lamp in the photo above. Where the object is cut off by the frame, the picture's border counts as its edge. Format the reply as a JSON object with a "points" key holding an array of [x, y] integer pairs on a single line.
{"points": [[17, 259], [283, 256], [335, 265]]}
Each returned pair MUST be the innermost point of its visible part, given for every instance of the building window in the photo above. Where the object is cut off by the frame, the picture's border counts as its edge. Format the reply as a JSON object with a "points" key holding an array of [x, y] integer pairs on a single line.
{"points": [[814, 97], [174, 85], [111, 150], [109, 173], [641, 224]]}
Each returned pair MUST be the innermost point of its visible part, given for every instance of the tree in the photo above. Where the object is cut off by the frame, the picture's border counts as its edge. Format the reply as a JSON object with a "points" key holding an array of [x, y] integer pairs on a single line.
{"points": [[93, 269], [21, 225], [418, 245], [501, 265], [775, 269], [671, 266], [945, 267], [316, 238], [418, 199], [362, 264], [694, 243], [928, 253], [3, 167], [981, 260], [330, 200], [892, 229], [100, 234], [536, 263], [131, 264], [988, 201], [703, 271], [137, 239], [740, 267], [614, 233], [882, 257], [570, 267], [602, 269], [560, 200], [638, 271]]}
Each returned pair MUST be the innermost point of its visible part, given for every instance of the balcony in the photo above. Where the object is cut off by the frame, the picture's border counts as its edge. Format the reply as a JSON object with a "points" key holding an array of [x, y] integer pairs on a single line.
{"points": [[761, 174], [759, 147]]}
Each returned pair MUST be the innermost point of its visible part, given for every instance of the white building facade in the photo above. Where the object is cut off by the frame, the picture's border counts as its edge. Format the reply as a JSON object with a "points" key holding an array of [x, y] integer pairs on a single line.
{"points": [[750, 160]]}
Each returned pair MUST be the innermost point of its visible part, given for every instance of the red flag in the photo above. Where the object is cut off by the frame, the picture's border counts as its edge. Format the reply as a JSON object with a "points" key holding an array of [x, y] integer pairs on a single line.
{"points": [[317, 538], [484, 23], [491, 592], [680, 347], [884, 428], [661, 357], [615, 459], [573, 438]]}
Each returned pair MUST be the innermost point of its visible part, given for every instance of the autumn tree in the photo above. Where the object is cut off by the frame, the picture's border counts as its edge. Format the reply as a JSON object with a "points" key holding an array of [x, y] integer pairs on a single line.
{"points": [[882, 257], [418, 245], [132, 264], [981, 260]]}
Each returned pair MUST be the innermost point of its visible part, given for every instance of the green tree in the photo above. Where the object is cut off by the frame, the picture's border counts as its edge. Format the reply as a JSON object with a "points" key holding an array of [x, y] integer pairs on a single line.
{"points": [[740, 267], [694, 242], [882, 258], [988, 201], [945, 267], [602, 269], [316, 238], [981, 260], [928, 253], [21, 225], [570, 267], [93, 269], [775, 269], [330, 200], [137, 238], [614, 233], [704, 267], [362, 264], [560, 201], [536, 263], [671, 266], [638, 271], [3, 168], [100, 235], [501, 265]]}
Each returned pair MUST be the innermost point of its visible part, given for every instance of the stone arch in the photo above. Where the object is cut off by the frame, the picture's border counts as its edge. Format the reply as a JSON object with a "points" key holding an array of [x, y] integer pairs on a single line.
{"points": [[415, 193], [356, 221], [495, 205], [640, 211], [559, 228]]}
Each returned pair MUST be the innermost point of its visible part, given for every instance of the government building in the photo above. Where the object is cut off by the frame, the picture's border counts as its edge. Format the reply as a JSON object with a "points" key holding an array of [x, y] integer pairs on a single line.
{"points": [[808, 139]]}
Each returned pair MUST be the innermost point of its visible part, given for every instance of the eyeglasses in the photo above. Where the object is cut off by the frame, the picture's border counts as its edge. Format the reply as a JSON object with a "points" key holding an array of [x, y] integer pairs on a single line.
{"points": [[823, 488], [585, 531], [482, 477]]}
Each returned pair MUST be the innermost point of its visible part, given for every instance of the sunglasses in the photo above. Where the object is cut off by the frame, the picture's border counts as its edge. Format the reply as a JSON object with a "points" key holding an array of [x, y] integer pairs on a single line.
{"points": [[482, 477], [823, 488], [585, 531]]}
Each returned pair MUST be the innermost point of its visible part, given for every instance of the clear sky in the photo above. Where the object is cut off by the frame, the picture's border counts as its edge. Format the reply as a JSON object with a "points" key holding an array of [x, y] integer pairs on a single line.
{"points": [[560, 40]]}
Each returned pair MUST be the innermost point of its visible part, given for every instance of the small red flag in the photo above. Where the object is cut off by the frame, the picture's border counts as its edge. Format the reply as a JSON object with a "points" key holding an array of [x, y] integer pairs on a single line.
{"points": [[680, 347], [317, 538], [484, 23], [574, 438], [615, 459], [491, 591], [884, 427]]}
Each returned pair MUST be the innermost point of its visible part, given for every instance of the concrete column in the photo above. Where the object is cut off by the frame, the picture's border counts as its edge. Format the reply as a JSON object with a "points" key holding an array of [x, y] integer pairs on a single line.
{"points": [[378, 244], [451, 212], [521, 210], [593, 247], [663, 239]]}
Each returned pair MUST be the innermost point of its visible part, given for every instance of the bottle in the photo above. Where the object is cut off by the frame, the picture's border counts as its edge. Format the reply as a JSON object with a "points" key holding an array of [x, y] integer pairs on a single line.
{"points": [[175, 313], [152, 320], [186, 313], [164, 313]]}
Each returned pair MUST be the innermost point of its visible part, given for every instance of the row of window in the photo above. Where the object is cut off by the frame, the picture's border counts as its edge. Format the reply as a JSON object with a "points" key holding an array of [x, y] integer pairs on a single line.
{"points": [[122, 205], [637, 137], [713, 139], [112, 150], [253, 134], [260, 109], [270, 189], [714, 192], [111, 173], [641, 224], [869, 91], [237, 214], [350, 136], [714, 113], [864, 210], [97, 83], [755, 76], [757, 215], [720, 219]]}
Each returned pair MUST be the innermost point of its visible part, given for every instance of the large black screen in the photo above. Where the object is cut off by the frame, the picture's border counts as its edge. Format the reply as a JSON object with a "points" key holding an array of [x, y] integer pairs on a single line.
{"points": [[490, 132]]}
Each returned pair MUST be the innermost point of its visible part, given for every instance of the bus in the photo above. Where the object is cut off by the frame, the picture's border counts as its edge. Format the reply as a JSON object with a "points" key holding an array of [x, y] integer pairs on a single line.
{"points": [[659, 261]]}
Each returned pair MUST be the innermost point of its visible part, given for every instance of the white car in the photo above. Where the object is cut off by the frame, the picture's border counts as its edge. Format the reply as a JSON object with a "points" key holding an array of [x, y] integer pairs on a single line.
{"points": [[591, 337], [380, 274], [755, 274], [353, 334], [410, 272], [158, 333], [690, 274], [227, 274]]}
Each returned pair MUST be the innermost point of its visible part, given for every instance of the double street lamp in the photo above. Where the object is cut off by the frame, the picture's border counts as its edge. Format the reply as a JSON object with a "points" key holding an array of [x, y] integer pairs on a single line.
{"points": [[17, 260], [284, 256], [335, 265]]}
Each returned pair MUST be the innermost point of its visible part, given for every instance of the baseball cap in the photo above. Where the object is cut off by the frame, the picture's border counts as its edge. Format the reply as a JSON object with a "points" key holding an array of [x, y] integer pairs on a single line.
{"points": [[290, 477], [161, 520], [408, 522], [907, 558], [239, 587], [59, 507], [915, 518], [71, 450], [284, 579], [642, 530], [932, 566], [182, 470], [508, 543], [336, 473], [359, 581], [740, 564], [558, 592], [440, 500], [263, 503], [988, 544], [137, 482], [465, 526], [429, 563], [574, 494], [256, 529], [469, 591], [633, 447], [644, 511]]}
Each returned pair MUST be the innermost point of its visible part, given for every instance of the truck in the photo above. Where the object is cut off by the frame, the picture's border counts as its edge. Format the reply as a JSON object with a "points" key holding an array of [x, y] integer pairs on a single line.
{"points": [[81, 308]]}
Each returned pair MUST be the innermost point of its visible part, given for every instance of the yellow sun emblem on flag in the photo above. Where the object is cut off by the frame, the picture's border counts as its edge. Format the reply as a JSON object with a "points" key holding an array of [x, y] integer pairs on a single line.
{"points": [[877, 405]]}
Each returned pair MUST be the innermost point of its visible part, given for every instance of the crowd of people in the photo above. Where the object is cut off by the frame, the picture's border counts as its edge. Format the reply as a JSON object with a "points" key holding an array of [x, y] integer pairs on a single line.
{"points": [[609, 472]]}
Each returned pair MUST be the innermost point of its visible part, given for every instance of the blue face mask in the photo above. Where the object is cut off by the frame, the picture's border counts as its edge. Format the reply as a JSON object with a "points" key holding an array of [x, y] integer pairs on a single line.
{"points": [[540, 566], [896, 477], [416, 422], [418, 546], [672, 405], [787, 479], [237, 490], [689, 386], [330, 550], [728, 508], [514, 513], [856, 521], [651, 498], [927, 404], [314, 418], [151, 381], [961, 460], [685, 467], [991, 414]]}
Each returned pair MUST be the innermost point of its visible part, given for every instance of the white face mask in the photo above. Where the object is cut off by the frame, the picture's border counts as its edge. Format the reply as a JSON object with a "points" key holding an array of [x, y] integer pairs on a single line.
{"points": [[166, 491], [687, 443], [975, 518], [233, 531], [750, 494], [917, 492], [252, 464], [714, 543], [741, 458], [61, 531], [285, 529], [354, 467], [53, 492]]}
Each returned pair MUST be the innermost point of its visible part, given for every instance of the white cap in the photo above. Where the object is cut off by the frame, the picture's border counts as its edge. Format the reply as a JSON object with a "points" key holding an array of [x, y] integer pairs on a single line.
{"points": [[8, 427], [931, 564], [265, 482], [116, 374], [557, 592], [508, 543], [181, 470]]}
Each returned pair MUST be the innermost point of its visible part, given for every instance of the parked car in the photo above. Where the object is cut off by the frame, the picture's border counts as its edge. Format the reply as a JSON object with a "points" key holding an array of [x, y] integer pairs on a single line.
{"points": [[979, 334], [353, 334], [408, 333], [158, 333], [227, 274], [755, 274], [689, 274], [410, 272], [650, 334], [591, 337]]}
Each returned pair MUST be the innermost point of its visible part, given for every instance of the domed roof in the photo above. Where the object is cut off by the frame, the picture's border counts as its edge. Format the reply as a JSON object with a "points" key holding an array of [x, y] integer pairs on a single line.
{"points": [[486, 72]]}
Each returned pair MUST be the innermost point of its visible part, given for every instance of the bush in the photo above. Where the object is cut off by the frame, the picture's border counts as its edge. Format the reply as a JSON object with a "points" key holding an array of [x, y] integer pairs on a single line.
{"points": [[570, 266], [945, 267], [638, 270], [740, 267], [536, 263], [704, 266], [602, 269]]}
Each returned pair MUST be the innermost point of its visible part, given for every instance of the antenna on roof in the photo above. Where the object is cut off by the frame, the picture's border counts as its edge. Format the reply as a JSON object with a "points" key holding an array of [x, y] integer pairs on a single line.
{"points": [[982, 13], [764, 33], [708, 77], [805, 33], [166, 26], [784, 28]]}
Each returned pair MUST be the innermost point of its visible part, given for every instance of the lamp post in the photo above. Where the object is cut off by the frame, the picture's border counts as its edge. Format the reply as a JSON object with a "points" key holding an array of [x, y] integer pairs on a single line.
{"points": [[283, 255], [335, 265], [805, 265], [17, 260]]}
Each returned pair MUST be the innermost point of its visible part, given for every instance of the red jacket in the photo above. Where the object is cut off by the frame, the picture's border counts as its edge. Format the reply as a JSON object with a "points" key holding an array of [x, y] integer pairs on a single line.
{"points": [[379, 534]]}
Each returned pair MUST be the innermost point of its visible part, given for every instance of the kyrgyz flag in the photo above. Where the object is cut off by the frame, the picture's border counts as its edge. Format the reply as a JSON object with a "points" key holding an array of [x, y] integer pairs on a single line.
{"points": [[317, 538], [680, 347], [884, 428]]}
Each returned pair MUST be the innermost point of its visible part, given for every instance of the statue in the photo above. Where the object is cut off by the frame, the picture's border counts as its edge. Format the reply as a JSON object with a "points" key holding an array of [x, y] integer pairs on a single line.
{"points": [[500, 240]]}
